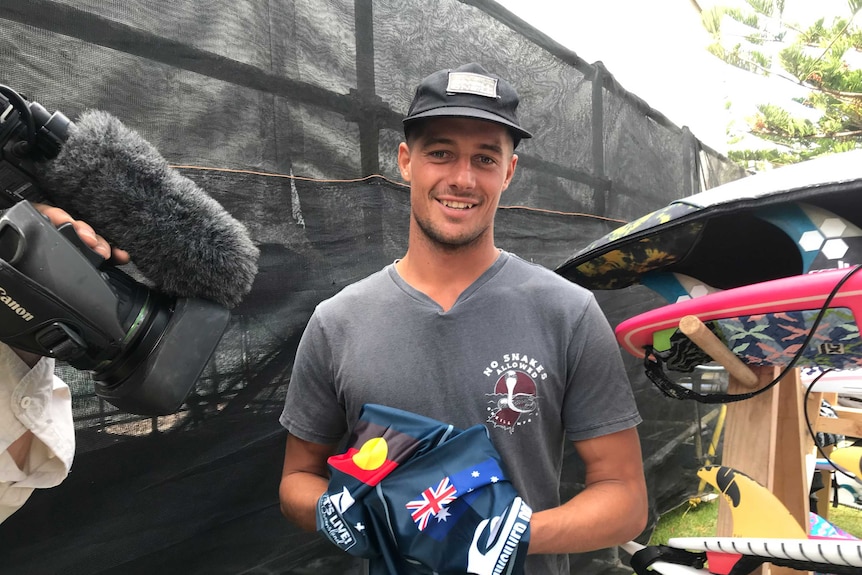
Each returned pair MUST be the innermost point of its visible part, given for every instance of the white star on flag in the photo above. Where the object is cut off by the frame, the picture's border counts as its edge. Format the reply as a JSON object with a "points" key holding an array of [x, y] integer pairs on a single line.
{"points": [[443, 514]]}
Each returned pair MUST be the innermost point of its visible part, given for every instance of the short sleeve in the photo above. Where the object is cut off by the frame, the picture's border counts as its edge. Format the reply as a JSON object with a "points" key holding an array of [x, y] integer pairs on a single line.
{"points": [[312, 410], [599, 399]]}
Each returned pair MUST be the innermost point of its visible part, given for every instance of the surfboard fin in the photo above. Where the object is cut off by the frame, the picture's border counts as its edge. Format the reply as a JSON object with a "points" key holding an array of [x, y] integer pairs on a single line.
{"points": [[755, 511]]}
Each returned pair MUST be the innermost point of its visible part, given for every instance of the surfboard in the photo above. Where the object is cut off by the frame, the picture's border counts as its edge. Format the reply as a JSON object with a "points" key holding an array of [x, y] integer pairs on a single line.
{"points": [[763, 324], [823, 555], [850, 458], [763, 527], [847, 382], [763, 531], [776, 224]]}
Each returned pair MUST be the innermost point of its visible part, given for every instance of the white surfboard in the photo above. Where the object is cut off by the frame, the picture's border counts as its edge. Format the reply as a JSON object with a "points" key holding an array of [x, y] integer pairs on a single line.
{"points": [[839, 552]]}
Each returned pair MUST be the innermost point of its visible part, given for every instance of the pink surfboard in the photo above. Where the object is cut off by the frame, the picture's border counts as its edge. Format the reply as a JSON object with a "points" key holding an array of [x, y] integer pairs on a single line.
{"points": [[763, 324]]}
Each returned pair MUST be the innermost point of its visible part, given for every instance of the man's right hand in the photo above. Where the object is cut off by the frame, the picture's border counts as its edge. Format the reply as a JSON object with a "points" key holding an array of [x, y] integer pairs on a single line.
{"points": [[88, 235], [497, 540]]}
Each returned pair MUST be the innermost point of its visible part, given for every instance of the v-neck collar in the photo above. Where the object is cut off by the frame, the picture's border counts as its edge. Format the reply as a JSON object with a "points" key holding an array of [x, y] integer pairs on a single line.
{"points": [[470, 290]]}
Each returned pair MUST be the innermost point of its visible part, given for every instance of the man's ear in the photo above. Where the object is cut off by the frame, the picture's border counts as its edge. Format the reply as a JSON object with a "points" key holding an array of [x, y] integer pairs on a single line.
{"points": [[510, 171], [404, 161]]}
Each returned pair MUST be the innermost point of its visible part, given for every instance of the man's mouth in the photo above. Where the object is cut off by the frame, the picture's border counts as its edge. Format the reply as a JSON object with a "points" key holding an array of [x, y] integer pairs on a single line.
{"points": [[456, 205]]}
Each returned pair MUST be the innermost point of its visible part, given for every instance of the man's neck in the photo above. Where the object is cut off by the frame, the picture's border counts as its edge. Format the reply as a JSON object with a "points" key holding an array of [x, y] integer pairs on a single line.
{"points": [[443, 274]]}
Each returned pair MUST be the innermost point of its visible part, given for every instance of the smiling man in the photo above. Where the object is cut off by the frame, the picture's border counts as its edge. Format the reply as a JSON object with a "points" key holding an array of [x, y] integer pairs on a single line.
{"points": [[457, 169], [465, 333]]}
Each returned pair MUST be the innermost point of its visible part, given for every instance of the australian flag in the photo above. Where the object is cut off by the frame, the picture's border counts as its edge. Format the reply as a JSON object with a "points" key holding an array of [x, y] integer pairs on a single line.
{"points": [[414, 495]]}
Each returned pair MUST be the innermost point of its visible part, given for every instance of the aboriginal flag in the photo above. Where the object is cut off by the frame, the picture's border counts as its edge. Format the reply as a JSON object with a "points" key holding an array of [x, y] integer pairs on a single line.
{"points": [[383, 439], [374, 453], [417, 496]]}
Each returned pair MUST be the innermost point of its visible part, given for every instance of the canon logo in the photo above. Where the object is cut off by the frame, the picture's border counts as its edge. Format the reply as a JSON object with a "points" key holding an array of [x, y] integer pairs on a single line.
{"points": [[13, 305]]}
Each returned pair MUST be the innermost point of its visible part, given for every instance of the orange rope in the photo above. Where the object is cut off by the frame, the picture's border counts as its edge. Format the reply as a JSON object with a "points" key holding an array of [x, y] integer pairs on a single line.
{"points": [[376, 176]]}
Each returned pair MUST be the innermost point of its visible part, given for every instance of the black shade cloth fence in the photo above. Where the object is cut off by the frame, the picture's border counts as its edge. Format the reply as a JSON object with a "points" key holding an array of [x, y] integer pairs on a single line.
{"points": [[289, 114]]}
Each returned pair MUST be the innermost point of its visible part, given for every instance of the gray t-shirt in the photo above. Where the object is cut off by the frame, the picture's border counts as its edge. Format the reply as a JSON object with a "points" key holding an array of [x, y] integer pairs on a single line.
{"points": [[523, 351]]}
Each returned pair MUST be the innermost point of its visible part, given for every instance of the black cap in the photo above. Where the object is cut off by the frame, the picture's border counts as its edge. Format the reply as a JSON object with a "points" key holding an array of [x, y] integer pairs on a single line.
{"points": [[469, 92]]}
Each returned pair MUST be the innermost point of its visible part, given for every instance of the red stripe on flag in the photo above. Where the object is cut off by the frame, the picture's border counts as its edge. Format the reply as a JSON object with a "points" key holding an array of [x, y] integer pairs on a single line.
{"points": [[346, 464], [386, 448]]}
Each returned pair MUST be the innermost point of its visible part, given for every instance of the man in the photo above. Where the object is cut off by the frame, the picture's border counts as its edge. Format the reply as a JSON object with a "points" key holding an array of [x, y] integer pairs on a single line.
{"points": [[37, 440], [465, 333]]}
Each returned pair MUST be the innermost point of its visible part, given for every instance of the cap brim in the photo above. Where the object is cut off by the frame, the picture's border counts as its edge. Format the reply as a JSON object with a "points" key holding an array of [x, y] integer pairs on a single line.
{"points": [[465, 112]]}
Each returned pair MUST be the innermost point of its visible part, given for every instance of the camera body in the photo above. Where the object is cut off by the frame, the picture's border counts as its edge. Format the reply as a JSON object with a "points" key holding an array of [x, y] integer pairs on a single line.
{"points": [[60, 299]]}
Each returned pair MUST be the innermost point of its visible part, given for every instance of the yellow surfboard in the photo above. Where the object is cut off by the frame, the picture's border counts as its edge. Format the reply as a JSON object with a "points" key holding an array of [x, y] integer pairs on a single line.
{"points": [[850, 458]]}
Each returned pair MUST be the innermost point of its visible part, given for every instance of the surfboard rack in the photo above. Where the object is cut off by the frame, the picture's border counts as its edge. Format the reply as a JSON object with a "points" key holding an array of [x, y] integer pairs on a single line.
{"points": [[698, 333], [757, 429]]}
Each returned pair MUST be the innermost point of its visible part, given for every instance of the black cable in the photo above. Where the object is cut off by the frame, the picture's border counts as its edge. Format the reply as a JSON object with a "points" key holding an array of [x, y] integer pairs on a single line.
{"points": [[808, 419], [655, 373], [811, 428]]}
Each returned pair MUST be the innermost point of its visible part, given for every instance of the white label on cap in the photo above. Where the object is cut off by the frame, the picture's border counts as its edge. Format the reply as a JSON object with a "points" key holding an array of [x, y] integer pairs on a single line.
{"points": [[469, 83]]}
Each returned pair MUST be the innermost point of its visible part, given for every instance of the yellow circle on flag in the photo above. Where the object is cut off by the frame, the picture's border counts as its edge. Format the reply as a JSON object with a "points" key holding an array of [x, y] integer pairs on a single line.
{"points": [[372, 454]]}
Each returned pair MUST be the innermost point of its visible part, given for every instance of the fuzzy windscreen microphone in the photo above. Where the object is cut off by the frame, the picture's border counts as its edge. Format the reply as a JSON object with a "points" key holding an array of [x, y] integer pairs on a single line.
{"points": [[179, 237]]}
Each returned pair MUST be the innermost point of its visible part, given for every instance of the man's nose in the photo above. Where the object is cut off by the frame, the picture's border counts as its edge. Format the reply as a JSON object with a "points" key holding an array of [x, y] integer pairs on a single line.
{"points": [[464, 176]]}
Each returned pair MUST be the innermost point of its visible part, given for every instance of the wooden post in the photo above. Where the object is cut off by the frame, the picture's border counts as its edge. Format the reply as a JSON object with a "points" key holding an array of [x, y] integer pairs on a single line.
{"points": [[790, 483], [696, 331], [750, 437], [824, 494], [764, 439]]}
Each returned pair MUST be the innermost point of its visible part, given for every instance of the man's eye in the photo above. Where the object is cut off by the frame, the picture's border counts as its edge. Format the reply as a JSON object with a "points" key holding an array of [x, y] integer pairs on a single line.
{"points": [[487, 160]]}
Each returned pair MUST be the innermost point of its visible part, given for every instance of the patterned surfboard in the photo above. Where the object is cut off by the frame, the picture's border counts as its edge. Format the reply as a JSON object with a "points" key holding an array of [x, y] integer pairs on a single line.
{"points": [[776, 224], [763, 324]]}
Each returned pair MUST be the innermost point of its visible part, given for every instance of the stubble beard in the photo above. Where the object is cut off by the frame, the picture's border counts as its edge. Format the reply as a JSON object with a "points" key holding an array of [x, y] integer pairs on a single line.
{"points": [[434, 237]]}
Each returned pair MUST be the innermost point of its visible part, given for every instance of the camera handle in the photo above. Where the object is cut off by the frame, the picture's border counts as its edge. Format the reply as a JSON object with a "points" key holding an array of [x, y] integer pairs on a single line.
{"points": [[46, 275]]}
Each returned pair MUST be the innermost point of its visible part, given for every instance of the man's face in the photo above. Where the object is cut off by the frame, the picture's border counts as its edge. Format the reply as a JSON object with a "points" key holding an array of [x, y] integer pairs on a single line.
{"points": [[457, 169]]}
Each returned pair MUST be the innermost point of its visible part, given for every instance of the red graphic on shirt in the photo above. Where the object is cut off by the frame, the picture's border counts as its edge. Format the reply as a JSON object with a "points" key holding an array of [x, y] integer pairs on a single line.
{"points": [[514, 400]]}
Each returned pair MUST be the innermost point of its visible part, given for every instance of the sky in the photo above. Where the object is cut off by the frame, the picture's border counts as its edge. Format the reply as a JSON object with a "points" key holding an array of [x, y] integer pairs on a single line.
{"points": [[656, 49]]}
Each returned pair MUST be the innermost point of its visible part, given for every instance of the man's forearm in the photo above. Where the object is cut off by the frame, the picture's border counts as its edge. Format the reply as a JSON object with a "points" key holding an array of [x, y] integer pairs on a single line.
{"points": [[298, 494], [601, 516]]}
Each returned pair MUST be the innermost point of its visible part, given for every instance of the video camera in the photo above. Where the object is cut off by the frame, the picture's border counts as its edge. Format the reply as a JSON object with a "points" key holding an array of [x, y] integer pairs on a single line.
{"points": [[60, 299]]}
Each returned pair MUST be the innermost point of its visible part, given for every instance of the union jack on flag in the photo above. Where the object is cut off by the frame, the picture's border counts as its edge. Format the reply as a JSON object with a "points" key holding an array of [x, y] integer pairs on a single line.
{"points": [[432, 502]]}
